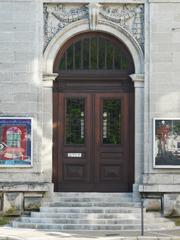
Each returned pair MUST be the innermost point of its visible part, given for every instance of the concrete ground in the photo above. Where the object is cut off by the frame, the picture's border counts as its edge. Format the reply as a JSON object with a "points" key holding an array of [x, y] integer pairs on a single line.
{"points": [[9, 233]]}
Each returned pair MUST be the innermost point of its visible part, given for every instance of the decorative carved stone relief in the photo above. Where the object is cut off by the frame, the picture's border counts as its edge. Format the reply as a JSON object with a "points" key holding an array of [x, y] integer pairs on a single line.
{"points": [[93, 15], [57, 16], [128, 16]]}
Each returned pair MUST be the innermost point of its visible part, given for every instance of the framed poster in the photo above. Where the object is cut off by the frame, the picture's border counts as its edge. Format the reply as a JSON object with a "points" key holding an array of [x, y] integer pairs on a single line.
{"points": [[166, 143], [16, 142]]}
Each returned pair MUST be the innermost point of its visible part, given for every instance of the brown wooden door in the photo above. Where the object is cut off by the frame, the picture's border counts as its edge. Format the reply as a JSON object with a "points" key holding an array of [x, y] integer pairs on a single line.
{"points": [[111, 142], [92, 142], [93, 136]]}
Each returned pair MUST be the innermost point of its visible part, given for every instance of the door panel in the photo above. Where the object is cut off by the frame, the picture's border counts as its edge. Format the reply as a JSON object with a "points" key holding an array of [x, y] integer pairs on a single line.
{"points": [[111, 141], [74, 138], [92, 142]]}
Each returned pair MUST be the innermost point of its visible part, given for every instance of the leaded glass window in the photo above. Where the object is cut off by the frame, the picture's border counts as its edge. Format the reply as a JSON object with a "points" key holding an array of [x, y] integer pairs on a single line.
{"points": [[93, 53], [111, 121], [75, 120]]}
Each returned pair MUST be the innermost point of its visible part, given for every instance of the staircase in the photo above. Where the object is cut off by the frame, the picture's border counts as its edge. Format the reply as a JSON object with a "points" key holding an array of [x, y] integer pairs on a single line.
{"points": [[92, 212]]}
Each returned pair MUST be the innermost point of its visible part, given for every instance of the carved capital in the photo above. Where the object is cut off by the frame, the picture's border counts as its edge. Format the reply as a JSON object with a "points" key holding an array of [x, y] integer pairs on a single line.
{"points": [[48, 79], [138, 80], [93, 15]]}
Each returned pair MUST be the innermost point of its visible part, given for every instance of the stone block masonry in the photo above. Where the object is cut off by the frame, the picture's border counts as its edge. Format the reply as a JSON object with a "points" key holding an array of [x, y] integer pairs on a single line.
{"points": [[24, 93], [162, 95], [21, 50]]}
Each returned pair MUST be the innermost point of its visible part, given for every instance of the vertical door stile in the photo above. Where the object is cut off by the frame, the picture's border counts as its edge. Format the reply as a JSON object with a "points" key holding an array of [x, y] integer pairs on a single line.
{"points": [[97, 136], [126, 136], [61, 114], [92, 132], [88, 129], [55, 137]]}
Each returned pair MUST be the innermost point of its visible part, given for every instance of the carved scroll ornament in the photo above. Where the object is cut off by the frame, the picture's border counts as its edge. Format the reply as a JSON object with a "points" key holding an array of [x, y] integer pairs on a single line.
{"points": [[128, 16]]}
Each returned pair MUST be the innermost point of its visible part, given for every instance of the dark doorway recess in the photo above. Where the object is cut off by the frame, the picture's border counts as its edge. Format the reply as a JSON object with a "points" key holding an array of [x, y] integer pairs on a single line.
{"points": [[93, 116]]}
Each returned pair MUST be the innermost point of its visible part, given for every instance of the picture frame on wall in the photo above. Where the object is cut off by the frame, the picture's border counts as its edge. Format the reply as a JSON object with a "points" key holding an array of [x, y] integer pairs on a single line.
{"points": [[16, 141], [166, 142]]}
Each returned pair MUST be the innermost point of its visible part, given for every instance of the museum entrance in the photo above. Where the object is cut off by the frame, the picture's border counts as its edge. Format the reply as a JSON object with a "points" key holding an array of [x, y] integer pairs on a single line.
{"points": [[93, 121]]}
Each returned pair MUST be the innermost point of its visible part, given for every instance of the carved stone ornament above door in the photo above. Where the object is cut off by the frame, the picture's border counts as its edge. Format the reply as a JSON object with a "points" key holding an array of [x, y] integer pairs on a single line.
{"points": [[127, 16]]}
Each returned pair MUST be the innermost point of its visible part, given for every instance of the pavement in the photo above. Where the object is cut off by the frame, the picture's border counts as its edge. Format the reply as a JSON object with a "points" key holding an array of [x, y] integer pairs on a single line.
{"points": [[9, 233]]}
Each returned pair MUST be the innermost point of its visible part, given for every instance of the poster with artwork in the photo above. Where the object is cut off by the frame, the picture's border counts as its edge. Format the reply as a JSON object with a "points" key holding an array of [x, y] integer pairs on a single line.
{"points": [[166, 143], [15, 142]]}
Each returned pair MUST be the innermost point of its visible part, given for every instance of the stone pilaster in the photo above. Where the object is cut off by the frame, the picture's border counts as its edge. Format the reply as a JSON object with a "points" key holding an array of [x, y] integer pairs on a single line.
{"points": [[138, 80], [47, 124]]}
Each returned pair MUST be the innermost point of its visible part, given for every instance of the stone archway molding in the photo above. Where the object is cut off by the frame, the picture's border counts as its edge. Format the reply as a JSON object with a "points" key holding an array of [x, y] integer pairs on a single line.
{"points": [[132, 44], [82, 26]]}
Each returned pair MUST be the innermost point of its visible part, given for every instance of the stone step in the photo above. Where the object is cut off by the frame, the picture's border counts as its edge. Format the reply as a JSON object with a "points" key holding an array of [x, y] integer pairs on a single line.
{"points": [[90, 209], [90, 221], [89, 215], [91, 194], [91, 204], [92, 212], [86, 199], [92, 227]]}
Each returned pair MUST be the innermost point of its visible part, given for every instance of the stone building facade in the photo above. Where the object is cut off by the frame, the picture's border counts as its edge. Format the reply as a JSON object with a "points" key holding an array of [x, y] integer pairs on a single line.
{"points": [[32, 32]]}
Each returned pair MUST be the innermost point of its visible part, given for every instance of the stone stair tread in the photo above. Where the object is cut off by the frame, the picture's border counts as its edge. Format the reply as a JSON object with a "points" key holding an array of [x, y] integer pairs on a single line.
{"points": [[133, 208], [88, 210], [57, 224], [90, 226], [97, 194], [81, 221], [92, 212], [82, 199], [90, 204], [92, 201], [78, 215]]}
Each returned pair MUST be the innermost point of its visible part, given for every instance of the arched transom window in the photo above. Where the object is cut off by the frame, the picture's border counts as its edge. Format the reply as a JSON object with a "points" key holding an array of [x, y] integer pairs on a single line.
{"points": [[94, 51]]}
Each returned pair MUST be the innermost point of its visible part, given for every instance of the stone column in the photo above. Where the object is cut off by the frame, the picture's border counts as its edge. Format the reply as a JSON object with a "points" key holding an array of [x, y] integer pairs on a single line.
{"points": [[47, 124], [138, 80]]}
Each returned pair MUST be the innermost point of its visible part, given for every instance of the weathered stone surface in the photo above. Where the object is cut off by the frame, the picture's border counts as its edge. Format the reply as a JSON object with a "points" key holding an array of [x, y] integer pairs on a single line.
{"points": [[24, 187], [172, 205], [12, 203], [152, 204], [1, 201], [23, 93], [32, 203]]}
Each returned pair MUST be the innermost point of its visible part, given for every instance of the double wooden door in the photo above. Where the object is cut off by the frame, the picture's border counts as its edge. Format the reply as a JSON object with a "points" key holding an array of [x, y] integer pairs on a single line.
{"points": [[92, 142]]}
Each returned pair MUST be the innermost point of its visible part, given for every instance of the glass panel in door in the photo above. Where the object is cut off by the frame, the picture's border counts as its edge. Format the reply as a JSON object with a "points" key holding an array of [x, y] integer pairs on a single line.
{"points": [[111, 121], [75, 120]]}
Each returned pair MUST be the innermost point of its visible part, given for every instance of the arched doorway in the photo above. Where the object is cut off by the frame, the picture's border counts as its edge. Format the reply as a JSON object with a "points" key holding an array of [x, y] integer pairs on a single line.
{"points": [[93, 106]]}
